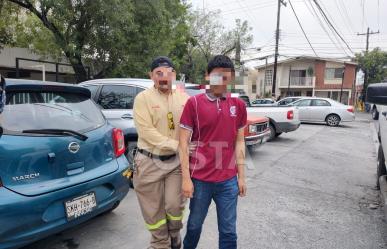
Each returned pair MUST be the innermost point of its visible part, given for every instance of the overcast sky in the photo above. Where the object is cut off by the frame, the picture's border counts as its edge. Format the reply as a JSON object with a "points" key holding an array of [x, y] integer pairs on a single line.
{"points": [[348, 16]]}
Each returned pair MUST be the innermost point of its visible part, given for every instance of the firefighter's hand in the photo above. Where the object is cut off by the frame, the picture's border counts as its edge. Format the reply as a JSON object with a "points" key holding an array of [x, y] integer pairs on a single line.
{"points": [[187, 188], [242, 187]]}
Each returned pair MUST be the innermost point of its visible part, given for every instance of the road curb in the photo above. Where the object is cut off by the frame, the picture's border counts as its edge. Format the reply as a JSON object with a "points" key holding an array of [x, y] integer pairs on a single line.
{"points": [[383, 193]]}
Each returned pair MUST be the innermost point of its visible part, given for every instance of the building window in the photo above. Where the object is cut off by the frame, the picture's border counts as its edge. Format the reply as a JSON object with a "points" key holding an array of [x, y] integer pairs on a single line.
{"points": [[268, 77], [333, 73], [254, 88], [298, 73], [297, 93], [22, 74]]}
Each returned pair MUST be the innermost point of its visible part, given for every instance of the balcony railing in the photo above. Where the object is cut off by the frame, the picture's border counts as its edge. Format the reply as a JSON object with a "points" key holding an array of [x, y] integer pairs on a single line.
{"points": [[299, 82]]}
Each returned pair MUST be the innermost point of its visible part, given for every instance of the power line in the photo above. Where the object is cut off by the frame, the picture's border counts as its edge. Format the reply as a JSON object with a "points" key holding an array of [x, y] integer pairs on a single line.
{"points": [[333, 32], [248, 15], [253, 7], [344, 16], [314, 13], [303, 31], [331, 25]]}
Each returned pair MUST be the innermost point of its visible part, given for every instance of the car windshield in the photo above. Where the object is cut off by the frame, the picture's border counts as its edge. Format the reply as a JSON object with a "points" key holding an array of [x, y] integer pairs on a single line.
{"points": [[50, 110]]}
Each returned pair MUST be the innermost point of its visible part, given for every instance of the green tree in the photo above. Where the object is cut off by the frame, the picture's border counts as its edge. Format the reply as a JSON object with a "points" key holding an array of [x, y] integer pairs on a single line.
{"points": [[9, 23], [375, 63], [115, 38], [209, 37]]}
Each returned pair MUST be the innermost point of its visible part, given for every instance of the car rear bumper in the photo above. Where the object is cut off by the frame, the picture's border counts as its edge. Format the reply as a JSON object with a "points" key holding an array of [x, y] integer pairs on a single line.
{"points": [[287, 126], [258, 139], [348, 117], [24, 220]]}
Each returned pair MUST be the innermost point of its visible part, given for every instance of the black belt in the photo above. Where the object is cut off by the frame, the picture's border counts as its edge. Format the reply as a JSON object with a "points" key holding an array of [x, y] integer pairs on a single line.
{"points": [[150, 155]]}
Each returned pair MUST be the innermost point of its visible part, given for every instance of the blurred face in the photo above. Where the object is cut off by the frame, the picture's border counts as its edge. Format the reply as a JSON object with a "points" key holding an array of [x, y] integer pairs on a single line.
{"points": [[163, 78], [219, 78]]}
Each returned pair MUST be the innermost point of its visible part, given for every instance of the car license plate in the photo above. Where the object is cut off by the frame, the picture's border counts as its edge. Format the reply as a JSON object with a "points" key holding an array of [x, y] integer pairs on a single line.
{"points": [[80, 206]]}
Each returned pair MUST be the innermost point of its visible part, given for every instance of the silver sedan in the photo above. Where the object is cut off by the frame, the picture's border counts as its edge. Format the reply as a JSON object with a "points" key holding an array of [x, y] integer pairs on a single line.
{"points": [[324, 110]]}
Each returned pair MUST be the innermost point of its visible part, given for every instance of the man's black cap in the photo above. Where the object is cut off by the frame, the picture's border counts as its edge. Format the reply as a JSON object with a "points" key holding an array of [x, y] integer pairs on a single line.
{"points": [[161, 61]]}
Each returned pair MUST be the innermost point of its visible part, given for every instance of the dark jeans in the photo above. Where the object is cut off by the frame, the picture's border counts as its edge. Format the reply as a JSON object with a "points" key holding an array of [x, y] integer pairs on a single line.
{"points": [[225, 196]]}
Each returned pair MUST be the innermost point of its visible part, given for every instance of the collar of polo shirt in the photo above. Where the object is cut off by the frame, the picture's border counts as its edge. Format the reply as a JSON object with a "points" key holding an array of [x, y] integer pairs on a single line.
{"points": [[212, 97]]}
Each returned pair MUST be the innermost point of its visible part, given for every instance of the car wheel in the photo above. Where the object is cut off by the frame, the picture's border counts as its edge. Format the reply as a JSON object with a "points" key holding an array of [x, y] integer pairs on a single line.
{"points": [[278, 134], [381, 166], [375, 114], [250, 148], [272, 132], [333, 120]]}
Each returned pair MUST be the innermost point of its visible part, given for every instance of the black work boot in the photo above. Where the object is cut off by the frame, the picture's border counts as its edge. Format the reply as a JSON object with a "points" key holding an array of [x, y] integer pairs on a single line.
{"points": [[176, 242]]}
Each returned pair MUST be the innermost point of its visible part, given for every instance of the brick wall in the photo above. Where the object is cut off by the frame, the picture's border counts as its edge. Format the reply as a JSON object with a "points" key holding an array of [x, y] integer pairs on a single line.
{"points": [[319, 71], [349, 76]]}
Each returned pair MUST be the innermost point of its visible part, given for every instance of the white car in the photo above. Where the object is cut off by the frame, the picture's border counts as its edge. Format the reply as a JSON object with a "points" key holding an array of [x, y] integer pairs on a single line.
{"points": [[262, 102], [288, 100], [323, 110]]}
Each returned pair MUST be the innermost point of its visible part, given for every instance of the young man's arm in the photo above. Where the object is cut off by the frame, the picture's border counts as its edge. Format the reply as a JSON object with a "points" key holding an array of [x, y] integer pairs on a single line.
{"points": [[240, 158], [187, 185]]}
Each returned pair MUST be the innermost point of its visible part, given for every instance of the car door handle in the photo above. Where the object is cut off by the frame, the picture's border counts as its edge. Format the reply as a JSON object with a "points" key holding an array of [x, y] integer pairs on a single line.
{"points": [[127, 116]]}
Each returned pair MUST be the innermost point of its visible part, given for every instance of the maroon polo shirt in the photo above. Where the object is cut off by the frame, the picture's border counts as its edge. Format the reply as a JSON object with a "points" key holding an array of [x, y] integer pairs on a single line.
{"points": [[214, 123]]}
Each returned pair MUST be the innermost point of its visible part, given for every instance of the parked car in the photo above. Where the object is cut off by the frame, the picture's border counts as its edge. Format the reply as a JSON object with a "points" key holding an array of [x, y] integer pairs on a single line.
{"points": [[377, 94], [257, 131], [287, 101], [374, 112], [61, 163], [281, 118], [323, 110], [262, 102]]}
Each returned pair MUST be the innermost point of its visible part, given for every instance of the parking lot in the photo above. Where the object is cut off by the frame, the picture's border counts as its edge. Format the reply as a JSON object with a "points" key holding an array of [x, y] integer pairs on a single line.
{"points": [[313, 188]]}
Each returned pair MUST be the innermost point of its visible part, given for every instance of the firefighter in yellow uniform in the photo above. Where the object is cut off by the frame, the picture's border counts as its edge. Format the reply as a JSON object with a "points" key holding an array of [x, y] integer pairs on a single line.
{"points": [[157, 176]]}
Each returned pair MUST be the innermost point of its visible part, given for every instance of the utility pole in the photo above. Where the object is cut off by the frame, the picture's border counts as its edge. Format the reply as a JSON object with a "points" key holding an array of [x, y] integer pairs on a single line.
{"points": [[366, 53], [288, 93], [277, 33], [342, 84]]}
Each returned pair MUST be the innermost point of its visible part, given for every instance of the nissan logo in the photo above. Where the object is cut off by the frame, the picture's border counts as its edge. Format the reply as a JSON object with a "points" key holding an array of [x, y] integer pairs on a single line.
{"points": [[74, 147]]}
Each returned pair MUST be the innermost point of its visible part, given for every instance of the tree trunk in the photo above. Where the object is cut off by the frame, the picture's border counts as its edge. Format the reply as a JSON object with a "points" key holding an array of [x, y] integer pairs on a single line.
{"points": [[80, 72]]}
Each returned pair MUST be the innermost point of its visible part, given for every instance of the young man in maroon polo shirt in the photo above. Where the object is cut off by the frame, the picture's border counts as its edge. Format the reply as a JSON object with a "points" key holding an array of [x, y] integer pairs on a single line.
{"points": [[215, 170]]}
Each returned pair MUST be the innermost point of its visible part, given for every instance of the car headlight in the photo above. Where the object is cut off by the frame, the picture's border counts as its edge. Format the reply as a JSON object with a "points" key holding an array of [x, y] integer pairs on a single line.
{"points": [[252, 128]]}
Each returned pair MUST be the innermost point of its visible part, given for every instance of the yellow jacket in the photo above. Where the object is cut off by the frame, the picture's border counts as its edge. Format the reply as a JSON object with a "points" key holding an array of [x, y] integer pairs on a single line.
{"points": [[150, 117]]}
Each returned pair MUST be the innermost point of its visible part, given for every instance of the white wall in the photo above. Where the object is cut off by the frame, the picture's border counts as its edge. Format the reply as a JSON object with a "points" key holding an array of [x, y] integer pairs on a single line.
{"points": [[8, 59]]}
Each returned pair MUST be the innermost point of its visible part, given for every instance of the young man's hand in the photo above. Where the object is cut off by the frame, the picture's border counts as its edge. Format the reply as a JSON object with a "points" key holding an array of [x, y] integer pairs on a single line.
{"points": [[187, 188], [242, 187]]}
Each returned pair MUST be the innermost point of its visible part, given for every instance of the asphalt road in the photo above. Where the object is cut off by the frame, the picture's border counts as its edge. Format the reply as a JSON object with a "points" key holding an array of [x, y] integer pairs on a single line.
{"points": [[313, 188]]}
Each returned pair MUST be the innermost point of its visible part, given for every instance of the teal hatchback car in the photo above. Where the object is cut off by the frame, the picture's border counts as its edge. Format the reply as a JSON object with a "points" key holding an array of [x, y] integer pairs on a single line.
{"points": [[61, 162]]}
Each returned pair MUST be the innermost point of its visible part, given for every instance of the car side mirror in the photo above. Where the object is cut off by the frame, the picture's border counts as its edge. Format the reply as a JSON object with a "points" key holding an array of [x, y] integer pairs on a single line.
{"points": [[377, 93]]}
